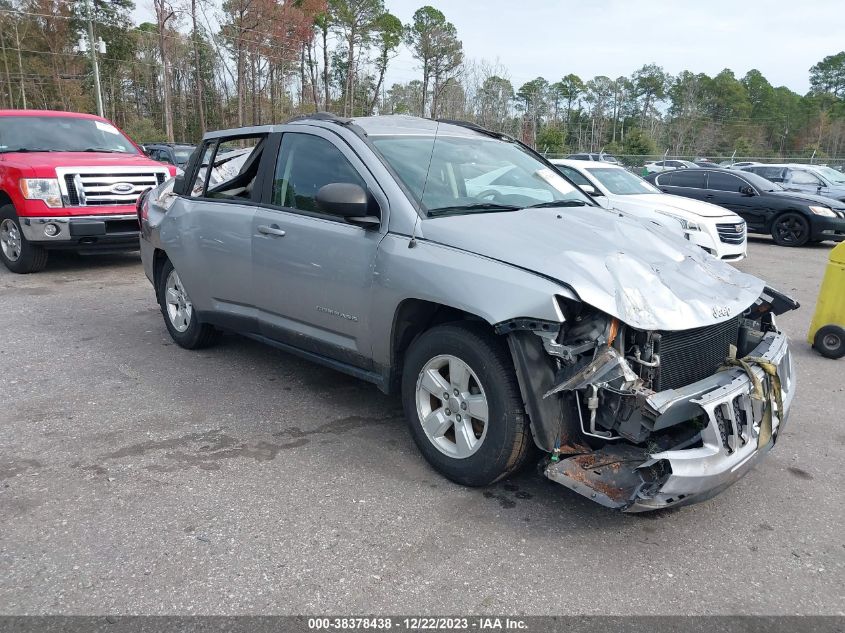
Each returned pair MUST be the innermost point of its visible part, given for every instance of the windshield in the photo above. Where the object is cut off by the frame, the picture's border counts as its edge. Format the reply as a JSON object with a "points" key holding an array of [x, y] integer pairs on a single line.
{"points": [[761, 183], [182, 154], [61, 134], [469, 174], [832, 175], [621, 182]]}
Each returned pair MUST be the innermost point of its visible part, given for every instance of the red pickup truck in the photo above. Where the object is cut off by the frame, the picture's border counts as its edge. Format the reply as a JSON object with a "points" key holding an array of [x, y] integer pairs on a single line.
{"points": [[68, 181]]}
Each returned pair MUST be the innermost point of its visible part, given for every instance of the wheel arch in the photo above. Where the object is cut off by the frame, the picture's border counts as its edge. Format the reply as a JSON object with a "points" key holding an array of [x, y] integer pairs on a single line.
{"points": [[159, 259], [781, 212], [5, 199]]}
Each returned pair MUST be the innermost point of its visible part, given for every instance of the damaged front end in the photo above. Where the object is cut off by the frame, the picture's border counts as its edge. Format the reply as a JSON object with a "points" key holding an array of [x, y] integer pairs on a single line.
{"points": [[639, 420]]}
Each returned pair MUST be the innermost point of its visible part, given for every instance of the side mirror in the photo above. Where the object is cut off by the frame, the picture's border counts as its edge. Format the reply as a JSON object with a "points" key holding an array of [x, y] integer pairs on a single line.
{"points": [[748, 191], [347, 200], [589, 189]]}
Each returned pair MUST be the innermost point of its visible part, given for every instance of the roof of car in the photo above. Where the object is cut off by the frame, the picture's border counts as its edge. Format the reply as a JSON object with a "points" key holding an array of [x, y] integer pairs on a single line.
{"points": [[51, 113], [592, 164]]}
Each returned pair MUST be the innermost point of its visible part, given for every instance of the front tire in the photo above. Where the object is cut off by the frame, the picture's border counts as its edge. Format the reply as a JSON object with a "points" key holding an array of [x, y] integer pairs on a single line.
{"points": [[463, 404], [18, 254], [829, 341], [179, 314], [791, 229]]}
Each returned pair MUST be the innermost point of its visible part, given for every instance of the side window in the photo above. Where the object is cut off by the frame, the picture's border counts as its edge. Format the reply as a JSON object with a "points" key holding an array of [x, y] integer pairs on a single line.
{"points": [[235, 168], [305, 164], [801, 177], [725, 182], [664, 179], [573, 175], [687, 178], [199, 181]]}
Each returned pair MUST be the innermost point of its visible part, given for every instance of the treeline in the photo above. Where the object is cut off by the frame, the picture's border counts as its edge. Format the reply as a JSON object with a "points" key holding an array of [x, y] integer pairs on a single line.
{"points": [[210, 64]]}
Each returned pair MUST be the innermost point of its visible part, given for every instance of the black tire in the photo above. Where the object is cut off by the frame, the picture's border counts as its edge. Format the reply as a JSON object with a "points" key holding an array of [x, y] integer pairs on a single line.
{"points": [[507, 444], [197, 335], [829, 341], [791, 229], [32, 258]]}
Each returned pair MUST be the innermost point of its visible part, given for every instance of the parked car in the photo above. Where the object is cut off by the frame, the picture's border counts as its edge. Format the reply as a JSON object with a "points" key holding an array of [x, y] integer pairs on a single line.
{"points": [[792, 218], [816, 179], [731, 165], [707, 163], [68, 181], [506, 320], [718, 231], [596, 157], [171, 153], [656, 166]]}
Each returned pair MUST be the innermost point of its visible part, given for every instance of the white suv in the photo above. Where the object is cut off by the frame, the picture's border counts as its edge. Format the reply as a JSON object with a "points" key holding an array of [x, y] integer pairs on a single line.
{"points": [[703, 223]]}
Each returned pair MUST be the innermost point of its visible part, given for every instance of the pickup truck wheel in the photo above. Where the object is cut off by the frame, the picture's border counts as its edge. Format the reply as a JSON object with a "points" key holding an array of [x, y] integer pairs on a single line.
{"points": [[791, 229], [829, 341], [179, 314], [19, 255], [463, 404]]}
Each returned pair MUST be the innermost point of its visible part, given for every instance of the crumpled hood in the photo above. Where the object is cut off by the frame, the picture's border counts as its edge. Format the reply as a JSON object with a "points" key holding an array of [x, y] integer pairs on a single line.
{"points": [[636, 271], [669, 203]]}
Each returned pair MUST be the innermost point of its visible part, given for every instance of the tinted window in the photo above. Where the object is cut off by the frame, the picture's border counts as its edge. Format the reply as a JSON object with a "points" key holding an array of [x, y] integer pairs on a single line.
{"points": [[724, 182], [306, 163], [573, 175], [775, 174], [665, 179], [800, 177], [686, 178]]}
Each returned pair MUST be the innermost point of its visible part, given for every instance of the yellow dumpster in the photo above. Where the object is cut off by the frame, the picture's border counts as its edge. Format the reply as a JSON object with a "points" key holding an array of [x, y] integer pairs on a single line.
{"points": [[827, 331]]}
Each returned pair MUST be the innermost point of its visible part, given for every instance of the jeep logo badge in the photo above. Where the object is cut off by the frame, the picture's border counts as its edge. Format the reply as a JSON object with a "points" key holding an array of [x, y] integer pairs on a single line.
{"points": [[122, 187]]}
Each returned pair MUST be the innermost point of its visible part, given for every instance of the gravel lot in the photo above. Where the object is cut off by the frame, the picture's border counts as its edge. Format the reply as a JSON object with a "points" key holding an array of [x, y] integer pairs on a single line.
{"points": [[137, 477]]}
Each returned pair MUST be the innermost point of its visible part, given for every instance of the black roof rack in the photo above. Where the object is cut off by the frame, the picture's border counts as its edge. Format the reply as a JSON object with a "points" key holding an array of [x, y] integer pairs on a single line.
{"points": [[320, 116]]}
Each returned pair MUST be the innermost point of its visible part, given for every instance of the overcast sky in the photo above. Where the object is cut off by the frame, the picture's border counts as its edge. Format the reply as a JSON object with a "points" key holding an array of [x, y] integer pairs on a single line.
{"points": [[552, 38]]}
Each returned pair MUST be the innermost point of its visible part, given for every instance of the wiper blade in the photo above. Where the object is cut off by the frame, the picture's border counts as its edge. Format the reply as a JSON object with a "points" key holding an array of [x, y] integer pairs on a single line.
{"points": [[104, 150], [472, 208], [26, 149], [558, 203]]}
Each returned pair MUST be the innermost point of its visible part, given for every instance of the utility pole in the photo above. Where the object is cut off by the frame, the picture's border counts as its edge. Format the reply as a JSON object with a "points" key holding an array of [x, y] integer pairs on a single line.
{"points": [[92, 48]]}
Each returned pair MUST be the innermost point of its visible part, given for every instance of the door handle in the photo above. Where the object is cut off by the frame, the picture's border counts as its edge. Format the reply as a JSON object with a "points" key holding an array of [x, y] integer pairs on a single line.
{"points": [[709, 196], [271, 230]]}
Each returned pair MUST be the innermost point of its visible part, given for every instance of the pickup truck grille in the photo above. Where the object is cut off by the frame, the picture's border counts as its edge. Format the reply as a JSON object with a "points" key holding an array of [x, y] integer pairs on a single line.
{"points": [[89, 187], [691, 355], [733, 233]]}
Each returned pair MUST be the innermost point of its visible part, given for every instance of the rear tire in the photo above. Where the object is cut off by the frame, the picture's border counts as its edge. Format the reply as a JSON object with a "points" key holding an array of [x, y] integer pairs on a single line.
{"points": [[179, 314], [791, 229], [480, 434], [829, 341], [18, 254]]}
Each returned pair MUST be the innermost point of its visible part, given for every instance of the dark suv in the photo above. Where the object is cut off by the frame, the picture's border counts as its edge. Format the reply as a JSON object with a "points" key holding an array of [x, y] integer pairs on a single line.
{"points": [[792, 218], [170, 153]]}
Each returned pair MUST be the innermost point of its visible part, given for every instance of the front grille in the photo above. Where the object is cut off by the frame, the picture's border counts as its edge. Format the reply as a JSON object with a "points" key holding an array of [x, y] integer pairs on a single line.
{"points": [[691, 355], [91, 187], [731, 233]]}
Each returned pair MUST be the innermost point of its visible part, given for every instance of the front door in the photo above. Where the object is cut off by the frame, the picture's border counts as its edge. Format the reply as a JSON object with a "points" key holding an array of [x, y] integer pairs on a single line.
{"points": [[313, 271], [726, 190]]}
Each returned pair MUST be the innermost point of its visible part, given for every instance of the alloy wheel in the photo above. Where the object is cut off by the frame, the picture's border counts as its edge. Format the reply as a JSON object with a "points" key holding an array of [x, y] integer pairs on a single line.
{"points": [[791, 230], [10, 240], [179, 306], [452, 406]]}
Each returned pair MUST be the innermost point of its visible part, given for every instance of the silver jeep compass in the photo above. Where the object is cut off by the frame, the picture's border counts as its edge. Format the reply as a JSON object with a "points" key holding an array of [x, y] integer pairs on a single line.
{"points": [[517, 318]]}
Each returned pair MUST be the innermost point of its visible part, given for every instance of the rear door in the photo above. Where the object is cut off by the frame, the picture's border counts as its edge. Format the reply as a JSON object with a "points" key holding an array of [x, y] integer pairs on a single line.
{"points": [[683, 182], [314, 271], [214, 252]]}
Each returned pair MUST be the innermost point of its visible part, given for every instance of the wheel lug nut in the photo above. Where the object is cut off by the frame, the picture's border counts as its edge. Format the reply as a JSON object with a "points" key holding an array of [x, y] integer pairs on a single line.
{"points": [[448, 412], [446, 395], [464, 406], [457, 393], [458, 417]]}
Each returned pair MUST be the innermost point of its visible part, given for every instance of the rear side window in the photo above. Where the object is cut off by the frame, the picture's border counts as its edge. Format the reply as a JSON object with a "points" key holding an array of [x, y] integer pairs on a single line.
{"points": [[573, 175], [665, 179], [775, 174], [725, 182], [686, 178], [234, 170], [305, 164], [801, 177]]}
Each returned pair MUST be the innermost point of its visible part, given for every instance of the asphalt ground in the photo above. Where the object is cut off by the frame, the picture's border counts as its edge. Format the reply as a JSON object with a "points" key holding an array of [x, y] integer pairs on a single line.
{"points": [[140, 478]]}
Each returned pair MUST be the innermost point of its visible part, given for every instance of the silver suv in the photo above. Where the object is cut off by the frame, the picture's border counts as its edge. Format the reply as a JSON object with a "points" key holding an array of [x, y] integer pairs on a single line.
{"points": [[516, 316]]}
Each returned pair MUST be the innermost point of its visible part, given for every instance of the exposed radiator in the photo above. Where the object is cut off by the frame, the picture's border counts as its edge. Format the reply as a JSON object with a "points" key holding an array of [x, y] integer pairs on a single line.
{"points": [[691, 355]]}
